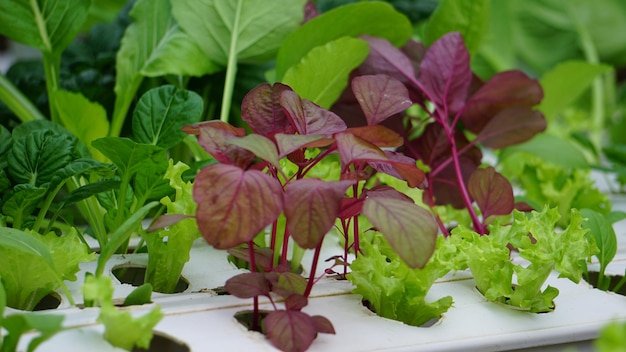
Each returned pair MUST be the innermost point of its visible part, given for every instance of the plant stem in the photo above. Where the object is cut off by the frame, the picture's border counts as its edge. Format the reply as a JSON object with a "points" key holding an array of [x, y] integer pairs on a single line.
{"points": [[316, 257], [231, 67], [255, 310], [52, 66], [23, 108]]}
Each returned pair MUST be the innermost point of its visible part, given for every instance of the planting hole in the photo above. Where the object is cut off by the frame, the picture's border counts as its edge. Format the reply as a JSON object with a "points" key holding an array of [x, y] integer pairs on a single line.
{"points": [[246, 318], [51, 301], [163, 343], [427, 324], [134, 275], [614, 281]]}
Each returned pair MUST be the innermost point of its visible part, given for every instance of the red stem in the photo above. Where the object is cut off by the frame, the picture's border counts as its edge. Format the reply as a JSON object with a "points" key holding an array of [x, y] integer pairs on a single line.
{"points": [[255, 310], [316, 257]]}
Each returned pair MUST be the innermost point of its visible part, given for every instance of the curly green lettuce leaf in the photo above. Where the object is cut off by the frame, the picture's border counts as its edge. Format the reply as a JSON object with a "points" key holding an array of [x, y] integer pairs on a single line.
{"points": [[121, 328], [169, 248], [396, 291], [612, 337], [29, 275]]}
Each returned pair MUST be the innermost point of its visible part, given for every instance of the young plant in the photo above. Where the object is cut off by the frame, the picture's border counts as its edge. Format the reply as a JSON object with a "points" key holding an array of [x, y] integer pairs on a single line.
{"points": [[249, 189], [534, 235]]}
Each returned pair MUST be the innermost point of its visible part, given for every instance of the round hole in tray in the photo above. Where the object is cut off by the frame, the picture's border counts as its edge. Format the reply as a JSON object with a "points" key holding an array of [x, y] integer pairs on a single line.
{"points": [[615, 279], [245, 317], [51, 301], [134, 275], [431, 322], [164, 343]]}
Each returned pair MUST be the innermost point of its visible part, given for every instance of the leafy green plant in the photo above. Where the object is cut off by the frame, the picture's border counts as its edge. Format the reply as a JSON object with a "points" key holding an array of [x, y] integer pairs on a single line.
{"points": [[17, 324], [534, 235], [611, 338]]}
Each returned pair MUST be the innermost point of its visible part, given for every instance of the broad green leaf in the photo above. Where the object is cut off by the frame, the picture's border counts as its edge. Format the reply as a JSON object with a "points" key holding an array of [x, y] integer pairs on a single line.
{"points": [[18, 324], [322, 74], [376, 18], [235, 205], [35, 158], [49, 26], [146, 49], [262, 147], [410, 230], [468, 17], [83, 167], [602, 232], [562, 152], [129, 157], [22, 201], [161, 114], [85, 119], [238, 30], [565, 83], [5, 146]]}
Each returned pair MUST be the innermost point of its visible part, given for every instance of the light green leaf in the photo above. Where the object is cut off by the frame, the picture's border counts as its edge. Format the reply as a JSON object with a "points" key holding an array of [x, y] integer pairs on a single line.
{"points": [[601, 230], [86, 120], [248, 31], [261, 146], [322, 75], [161, 114], [128, 156], [48, 25], [565, 83], [375, 18], [18, 324], [469, 17]]}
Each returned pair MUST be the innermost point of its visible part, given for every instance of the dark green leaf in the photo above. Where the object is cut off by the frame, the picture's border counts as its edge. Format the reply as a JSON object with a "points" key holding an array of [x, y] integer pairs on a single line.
{"points": [[82, 166], [602, 232], [89, 190], [161, 114], [5, 146], [22, 200], [128, 156]]}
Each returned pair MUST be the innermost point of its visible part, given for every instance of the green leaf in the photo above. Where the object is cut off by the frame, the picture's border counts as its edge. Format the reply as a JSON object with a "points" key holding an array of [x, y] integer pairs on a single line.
{"points": [[18, 324], [36, 157], [322, 74], [3, 301], [261, 146], [22, 201], [612, 337], [562, 152], [141, 295], [161, 114], [5, 146], [565, 83], [248, 31], [121, 235], [375, 18], [129, 157], [86, 120], [601, 230], [469, 17], [49, 26]]}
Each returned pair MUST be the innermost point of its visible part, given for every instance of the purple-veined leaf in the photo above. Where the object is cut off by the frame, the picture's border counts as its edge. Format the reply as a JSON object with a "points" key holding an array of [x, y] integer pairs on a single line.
{"points": [[380, 96], [263, 257], [400, 166], [296, 302], [410, 230], [385, 58], [214, 136], [350, 207], [323, 325], [261, 146], [445, 72], [288, 143], [290, 330], [166, 220], [235, 205], [287, 283], [491, 191], [248, 285], [313, 206], [308, 118], [261, 110], [388, 192], [352, 149], [378, 135], [505, 89], [511, 126]]}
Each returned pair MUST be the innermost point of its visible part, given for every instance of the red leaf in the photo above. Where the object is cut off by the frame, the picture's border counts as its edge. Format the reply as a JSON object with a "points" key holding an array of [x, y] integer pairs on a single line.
{"points": [[505, 89], [290, 330], [288, 143], [492, 192], [309, 118], [214, 137], [235, 205], [350, 207], [512, 126], [410, 230], [248, 285], [386, 59], [402, 167], [288, 283], [388, 192], [261, 146], [323, 325], [378, 135], [312, 208], [166, 220], [261, 110], [353, 149], [296, 302], [380, 96], [263, 257], [445, 72]]}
